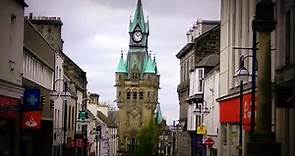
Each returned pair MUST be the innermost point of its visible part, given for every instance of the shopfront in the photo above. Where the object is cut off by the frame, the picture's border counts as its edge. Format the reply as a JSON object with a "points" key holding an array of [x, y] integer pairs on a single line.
{"points": [[9, 108], [230, 119]]}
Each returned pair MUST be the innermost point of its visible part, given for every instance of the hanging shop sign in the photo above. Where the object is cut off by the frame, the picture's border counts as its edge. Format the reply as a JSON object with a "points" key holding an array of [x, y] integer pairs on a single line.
{"points": [[202, 130], [31, 99], [32, 120]]}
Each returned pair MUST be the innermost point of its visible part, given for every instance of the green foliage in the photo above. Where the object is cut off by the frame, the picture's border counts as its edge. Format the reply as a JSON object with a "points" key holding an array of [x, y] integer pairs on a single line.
{"points": [[147, 139]]}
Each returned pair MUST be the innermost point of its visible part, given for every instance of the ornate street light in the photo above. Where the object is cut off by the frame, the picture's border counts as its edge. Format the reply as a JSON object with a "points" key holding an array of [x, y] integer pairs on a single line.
{"points": [[243, 75]]}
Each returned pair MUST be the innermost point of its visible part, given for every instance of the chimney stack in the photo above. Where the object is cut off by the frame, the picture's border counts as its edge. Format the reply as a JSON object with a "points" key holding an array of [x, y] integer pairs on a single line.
{"points": [[31, 15]]}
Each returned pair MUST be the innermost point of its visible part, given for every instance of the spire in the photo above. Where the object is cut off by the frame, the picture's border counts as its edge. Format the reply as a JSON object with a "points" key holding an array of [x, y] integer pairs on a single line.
{"points": [[138, 18], [121, 66], [159, 117], [148, 25], [149, 67], [155, 64]]}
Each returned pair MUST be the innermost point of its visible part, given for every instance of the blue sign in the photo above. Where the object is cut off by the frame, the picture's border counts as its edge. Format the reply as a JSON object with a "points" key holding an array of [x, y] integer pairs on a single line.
{"points": [[199, 142], [32, 99]]}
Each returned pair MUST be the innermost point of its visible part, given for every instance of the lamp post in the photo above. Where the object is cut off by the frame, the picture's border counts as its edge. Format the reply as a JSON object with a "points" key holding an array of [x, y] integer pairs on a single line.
{"points": [[201, 107], [253, 76], [97, 138], [242, 75], [64, 95]]}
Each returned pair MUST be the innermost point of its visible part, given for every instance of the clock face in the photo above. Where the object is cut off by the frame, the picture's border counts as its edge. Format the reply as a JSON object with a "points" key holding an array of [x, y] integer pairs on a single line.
{"points": [[137, 36]]}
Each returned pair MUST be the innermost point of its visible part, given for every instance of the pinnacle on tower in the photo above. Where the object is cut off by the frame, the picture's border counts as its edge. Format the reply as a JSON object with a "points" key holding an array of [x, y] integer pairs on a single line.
{"points": [[121, 66], [149, 67]]}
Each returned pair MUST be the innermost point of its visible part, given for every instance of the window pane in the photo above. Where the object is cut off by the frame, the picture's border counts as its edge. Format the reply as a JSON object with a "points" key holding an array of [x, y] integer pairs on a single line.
{"points": [[140, 95], [128, 94], [134, 95]]}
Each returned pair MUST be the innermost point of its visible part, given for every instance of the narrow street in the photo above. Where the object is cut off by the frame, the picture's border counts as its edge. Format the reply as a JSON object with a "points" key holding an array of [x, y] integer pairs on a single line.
{"points": [[147, 78]]}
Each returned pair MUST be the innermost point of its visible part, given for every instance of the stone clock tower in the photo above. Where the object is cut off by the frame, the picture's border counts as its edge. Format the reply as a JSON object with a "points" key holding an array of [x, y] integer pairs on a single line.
{"points": [[137, 84]]}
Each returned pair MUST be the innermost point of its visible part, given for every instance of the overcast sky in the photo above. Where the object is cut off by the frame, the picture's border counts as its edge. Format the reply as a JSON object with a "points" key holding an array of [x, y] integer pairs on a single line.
{"points": [[95, 31]]}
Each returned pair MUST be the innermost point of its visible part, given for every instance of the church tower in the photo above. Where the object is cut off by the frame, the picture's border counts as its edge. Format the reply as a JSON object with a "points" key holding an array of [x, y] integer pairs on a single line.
{"points": [[137, 84]]}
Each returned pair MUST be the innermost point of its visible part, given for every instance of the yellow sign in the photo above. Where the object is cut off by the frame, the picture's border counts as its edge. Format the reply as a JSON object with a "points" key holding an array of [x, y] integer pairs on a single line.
{"points": [[202, 130]]}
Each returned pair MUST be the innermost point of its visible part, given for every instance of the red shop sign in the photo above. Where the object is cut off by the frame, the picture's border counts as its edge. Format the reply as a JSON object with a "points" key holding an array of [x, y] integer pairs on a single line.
{"points": [[230, 111], [79, 143], [9, 107], [32, 120]]}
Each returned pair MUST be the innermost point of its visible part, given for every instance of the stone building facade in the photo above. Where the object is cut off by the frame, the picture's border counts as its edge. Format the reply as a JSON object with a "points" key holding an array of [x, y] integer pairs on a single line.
{"points": [[203, 39], [11, 90], [66, 71], [285, 76], [137, 84]]}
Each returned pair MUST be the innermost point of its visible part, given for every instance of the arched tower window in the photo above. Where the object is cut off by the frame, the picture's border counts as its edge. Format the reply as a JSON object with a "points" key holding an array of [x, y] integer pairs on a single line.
{"points": [[134, 94], [128, 93], [140, 94]]}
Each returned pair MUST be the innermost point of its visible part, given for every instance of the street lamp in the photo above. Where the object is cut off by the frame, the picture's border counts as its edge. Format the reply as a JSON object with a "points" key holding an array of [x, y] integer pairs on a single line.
{"points": [[253, 76], [97, 133], [64, 95], [243, 75]]}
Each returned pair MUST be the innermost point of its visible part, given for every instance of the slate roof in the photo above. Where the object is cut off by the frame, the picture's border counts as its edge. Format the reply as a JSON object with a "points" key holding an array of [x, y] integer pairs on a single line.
{"points": [[113, 116], [184, 50], [106, 120], [209, 61]]}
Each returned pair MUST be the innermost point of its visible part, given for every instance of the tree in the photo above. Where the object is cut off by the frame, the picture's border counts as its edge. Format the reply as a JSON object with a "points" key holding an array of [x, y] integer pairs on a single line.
{"points": [[147, 139]]}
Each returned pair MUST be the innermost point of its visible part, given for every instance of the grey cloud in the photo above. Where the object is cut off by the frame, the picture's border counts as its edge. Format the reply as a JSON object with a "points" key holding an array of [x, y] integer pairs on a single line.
{"points": [[86, 19]]}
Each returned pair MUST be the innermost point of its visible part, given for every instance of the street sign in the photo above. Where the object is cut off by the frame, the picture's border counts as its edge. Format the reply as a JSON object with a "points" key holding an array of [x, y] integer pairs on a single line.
{"points": [[209, 142], [199, 142]]}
